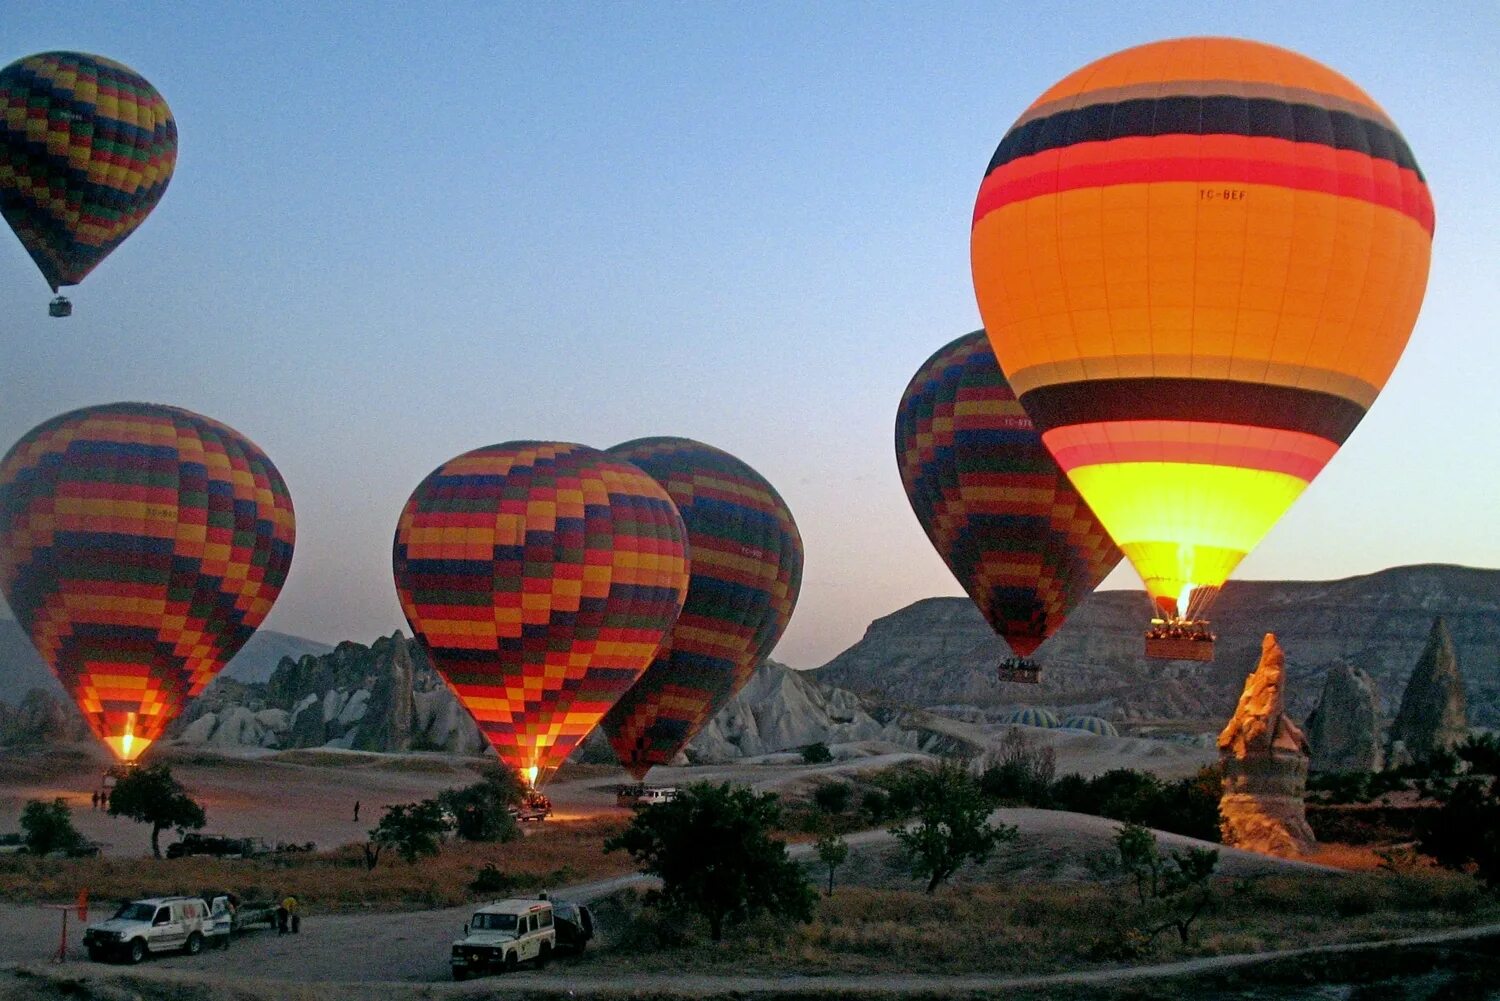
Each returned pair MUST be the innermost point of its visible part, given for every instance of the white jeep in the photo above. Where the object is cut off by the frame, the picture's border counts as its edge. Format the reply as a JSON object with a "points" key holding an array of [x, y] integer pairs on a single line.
{"points": [[504, 934], [155, 925]]}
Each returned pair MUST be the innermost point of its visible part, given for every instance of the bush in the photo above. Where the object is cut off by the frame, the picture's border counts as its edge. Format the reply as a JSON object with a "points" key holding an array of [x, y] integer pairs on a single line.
{"points": [[1170, 892], [1186, 806], [1022, 772], [481, 812], [833, 797], [491, 881], [816, 754], [48, 827], [1465, 833], [876, 805], [412, 829]]}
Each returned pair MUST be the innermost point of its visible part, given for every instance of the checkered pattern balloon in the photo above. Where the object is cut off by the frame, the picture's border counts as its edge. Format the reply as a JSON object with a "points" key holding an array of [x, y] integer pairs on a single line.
{"points": [[541, 578], [747, 571], [140, 546], [87, 148], [991, 498]]}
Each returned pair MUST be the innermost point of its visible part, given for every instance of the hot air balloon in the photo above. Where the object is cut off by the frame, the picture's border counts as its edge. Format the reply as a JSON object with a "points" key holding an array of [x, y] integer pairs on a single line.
{"points": [[140, 546], [1198, 262], [998, 510], [87, 148], [746, 574], [541, 577]]}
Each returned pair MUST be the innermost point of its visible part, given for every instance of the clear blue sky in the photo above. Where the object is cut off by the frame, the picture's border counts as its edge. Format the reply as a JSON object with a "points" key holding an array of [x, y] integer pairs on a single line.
{"points": [[401, 231]]}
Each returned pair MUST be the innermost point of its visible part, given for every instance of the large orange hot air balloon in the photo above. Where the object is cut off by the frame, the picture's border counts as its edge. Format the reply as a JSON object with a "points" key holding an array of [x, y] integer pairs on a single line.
{"points": [[140, 546], [991, 499], [541, 578], [1198, 262], [87, 149]]}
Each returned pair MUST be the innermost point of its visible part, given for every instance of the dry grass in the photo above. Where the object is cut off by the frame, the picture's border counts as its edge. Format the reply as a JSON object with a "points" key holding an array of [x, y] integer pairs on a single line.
{"points": [[550, 855], [1032, 928]]}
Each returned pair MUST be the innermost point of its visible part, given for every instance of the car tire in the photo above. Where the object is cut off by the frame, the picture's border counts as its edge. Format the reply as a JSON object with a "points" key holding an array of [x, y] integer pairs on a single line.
{"points": [[544, 956], [510, 963], [194, 944], [136, 950], [460, 974]]}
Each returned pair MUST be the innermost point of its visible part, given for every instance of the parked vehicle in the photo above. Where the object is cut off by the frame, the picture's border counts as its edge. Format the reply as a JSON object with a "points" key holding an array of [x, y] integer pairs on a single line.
{"points": [[534, 806], [574, 924], [159, 924], [644, 795], [216, 845], [504, 934]]}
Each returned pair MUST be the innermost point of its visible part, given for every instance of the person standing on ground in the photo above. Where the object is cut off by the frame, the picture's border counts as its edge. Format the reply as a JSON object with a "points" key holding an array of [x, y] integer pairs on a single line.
{"points": [[294, 920], [281, 917], [356, 811], [95, 799]]}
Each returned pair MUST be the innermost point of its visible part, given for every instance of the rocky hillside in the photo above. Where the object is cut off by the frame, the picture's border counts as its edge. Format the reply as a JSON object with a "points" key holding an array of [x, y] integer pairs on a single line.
{"points": [[22, 670], [940, 652]]}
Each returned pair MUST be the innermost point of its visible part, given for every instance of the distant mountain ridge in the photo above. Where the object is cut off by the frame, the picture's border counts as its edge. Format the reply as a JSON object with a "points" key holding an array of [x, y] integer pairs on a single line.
{"points": [[938, 651]]}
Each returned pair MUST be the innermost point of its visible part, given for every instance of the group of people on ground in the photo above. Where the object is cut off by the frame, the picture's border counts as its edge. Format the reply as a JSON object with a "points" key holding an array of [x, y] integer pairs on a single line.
{"points": [[100, 799]]}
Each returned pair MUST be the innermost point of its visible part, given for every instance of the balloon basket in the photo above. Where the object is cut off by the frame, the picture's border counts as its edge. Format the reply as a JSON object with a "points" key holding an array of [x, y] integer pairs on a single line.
{"points": [[1180, 639], [1019, 670], [60, 307]]}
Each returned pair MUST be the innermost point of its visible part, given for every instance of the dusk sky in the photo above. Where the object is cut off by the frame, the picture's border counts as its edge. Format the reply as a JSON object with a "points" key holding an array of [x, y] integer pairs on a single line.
{"points": [[397, 232]]}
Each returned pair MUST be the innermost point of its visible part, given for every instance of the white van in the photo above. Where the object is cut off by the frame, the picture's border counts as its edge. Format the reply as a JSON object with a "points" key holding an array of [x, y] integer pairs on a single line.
{"points": [[504, 934], [158, 924]]}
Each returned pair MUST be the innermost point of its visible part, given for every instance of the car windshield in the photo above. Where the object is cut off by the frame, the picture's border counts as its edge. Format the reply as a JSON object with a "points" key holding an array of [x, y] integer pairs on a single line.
{"points": [[136, 912], [493, 922]]}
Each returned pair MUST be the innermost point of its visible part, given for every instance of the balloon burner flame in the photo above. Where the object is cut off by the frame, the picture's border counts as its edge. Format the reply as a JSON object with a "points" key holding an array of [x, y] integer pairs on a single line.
{"points": [[531, 773]]}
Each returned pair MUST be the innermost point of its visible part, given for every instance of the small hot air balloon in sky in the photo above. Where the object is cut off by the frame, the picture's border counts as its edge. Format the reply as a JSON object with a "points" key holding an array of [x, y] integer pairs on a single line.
{"points": [[746, 574], [140, 546], [997, 508], [541, 577], [1198, 262], [87, 148]]}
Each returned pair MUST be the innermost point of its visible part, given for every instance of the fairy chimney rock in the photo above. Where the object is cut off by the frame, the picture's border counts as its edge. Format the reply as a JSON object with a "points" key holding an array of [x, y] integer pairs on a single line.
{"points": [[1265, 758], [1434, 712], [1343, 732]]}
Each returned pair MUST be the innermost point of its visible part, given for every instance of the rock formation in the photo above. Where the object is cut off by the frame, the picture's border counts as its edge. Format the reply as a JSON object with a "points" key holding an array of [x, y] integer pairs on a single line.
{"points": [[1343, 732], [1434, 711], [1265, 761], [40, 718]]}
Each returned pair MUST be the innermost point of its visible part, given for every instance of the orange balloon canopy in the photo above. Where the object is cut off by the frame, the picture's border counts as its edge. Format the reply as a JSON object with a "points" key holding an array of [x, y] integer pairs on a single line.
{"points": [[1198, 262], [541, 577], [140, 547]]}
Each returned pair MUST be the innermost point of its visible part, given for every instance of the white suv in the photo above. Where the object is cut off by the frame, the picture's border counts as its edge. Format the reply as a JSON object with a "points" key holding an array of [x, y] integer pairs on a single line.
{"points": [[502, 935], [154, 925]]}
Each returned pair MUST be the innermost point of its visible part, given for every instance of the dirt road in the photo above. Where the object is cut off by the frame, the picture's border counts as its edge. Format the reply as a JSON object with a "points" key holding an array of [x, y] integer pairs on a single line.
{"points": [[1475, 945]]}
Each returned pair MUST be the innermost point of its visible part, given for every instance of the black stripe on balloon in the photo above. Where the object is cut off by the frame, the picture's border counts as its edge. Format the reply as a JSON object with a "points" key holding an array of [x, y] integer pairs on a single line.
{"points": [[1213, 400], [1202, 116]]}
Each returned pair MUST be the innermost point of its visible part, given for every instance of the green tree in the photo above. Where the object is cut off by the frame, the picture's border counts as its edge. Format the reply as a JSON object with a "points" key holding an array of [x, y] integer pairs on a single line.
{"points": [[150, 795], [1170, 891], [48, 827], [833, 851], [712, 849], [832, 797], [952, 825], [412, 830], [481, 812]]}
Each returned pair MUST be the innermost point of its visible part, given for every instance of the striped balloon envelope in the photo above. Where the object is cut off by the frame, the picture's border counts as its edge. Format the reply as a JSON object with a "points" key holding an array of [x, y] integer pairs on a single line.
{"points": [[140, 547], [541, 577], [1198, 262], [747, 572], [991, 499], [87, 148]]}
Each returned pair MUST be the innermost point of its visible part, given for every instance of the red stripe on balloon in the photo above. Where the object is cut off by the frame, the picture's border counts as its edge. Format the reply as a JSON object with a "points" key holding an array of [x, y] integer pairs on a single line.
{"points": [[1278, 451]]}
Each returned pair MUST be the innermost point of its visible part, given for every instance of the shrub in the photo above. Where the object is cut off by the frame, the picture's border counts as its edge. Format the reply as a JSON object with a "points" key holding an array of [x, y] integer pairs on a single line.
{"points": [[816, 754], [481, 812], [48, 827], [833, 797], [491, 880], [1465, 833], [412, 829], [1170, 892], [876, 805]]}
